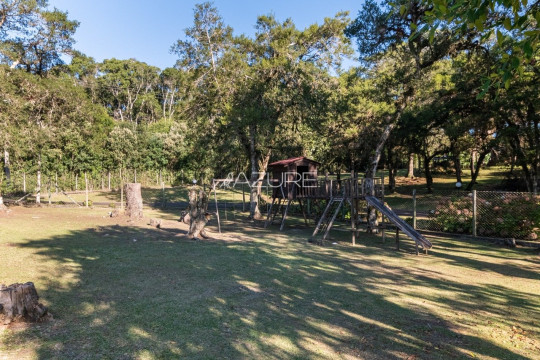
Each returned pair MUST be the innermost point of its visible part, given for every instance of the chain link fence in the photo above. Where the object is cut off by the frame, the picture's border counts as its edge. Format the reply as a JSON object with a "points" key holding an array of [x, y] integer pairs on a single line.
{"points": [[479, 213]]}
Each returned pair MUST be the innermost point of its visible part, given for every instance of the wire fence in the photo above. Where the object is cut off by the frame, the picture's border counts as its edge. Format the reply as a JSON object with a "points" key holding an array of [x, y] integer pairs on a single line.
{"points": [[479, 213]]}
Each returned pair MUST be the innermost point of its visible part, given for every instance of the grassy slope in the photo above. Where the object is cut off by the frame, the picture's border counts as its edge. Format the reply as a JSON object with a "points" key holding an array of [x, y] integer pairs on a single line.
{"points": [[258, 293]]}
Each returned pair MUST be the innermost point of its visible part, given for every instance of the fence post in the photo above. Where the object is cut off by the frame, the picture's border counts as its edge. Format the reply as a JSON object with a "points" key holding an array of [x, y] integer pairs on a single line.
{"points": [[414, 208], [474, 212], [86, 189]]}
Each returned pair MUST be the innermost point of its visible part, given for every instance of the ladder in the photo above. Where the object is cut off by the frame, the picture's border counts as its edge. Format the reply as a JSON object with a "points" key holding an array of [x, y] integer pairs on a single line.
{"points": [[272, 214], [325, 222]]}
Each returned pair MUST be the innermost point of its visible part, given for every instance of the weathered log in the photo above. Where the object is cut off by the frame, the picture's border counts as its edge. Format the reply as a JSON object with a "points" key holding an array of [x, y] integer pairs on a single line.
{"points": [[198, 215], [155, 222], [20, 301], [134, 208], [184, 217]]}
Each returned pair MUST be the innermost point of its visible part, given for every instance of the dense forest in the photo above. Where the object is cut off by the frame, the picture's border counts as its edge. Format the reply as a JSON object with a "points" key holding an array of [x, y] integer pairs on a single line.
{"points": [[455, 85]]}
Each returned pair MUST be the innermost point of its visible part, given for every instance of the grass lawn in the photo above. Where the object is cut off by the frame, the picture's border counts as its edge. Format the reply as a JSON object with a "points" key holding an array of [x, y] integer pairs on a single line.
{"points": [[124, 291]]}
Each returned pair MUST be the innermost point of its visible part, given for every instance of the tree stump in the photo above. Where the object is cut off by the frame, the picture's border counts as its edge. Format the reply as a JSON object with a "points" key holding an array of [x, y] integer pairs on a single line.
{"points": [[20, 301], [134, 207], [198, 215], [155, 223]]}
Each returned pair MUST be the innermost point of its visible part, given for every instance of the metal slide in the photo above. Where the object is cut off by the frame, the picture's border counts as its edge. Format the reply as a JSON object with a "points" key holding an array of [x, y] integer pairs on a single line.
{"points": [[399, 222]]}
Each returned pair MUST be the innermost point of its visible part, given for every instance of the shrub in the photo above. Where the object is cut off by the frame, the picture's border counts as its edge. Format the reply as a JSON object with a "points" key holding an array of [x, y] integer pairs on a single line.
{"points": [[453, 215], [504, 215]]}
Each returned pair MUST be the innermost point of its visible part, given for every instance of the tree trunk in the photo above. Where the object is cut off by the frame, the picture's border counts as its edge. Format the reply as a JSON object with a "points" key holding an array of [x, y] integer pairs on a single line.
{"points": [[474, 175], [198, 215], [21, 301], [134, 206], [410, 169], [457, 166], [7, 172], [374, 161], [392, 170], [24, 182], [258, 172], [473, 161], [429, 177], [109, 179]]}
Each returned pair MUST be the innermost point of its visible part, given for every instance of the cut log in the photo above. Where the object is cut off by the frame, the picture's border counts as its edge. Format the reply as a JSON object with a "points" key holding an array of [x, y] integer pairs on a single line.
{"points": [[20, 301], [134, 207], [184, 217], [155, 223], [198, 216]]}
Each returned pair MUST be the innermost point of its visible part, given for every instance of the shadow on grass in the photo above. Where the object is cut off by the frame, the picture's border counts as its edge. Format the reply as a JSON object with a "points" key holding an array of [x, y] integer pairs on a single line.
{"points": [[140, 292]]}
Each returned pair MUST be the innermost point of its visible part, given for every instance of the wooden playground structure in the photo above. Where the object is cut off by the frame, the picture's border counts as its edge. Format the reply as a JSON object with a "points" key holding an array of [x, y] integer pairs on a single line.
{"points": [[296, 180]]}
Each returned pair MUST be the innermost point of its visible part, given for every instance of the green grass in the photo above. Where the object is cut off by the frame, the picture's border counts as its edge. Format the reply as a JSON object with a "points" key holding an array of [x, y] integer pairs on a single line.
{"points": [[255, 293]]}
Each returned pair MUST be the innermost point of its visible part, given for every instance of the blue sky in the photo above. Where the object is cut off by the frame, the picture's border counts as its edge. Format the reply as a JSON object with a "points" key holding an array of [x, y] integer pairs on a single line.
{"points": [[145, 30]]}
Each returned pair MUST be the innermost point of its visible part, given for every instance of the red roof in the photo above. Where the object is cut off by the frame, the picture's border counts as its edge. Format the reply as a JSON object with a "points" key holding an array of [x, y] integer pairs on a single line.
{"points": [[291, 161]]}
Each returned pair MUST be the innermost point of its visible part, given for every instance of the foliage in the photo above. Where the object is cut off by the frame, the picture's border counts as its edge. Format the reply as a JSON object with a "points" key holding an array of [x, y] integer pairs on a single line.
{"points": [[499, 215], [453, 215]]}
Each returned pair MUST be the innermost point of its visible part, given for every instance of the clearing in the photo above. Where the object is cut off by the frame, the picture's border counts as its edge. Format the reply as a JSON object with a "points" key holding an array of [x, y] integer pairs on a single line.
{"points": [[124, 291]]}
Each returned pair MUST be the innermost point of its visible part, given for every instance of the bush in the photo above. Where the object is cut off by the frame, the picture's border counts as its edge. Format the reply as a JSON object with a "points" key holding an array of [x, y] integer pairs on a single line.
{"points": [[511, 216], [504, 215], [453, 215]]}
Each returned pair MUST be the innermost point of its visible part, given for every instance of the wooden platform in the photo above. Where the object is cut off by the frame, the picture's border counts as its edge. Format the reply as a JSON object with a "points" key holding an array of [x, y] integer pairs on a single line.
{"points": [[327, 189]]}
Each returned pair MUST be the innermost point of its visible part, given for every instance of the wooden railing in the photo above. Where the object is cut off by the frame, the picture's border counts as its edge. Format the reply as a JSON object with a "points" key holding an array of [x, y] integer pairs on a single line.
{"points": [[325, 189]]}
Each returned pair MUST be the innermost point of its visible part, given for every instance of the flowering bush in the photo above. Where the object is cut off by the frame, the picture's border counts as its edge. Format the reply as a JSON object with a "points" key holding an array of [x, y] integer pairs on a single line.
{"points": [[504, 215], [453, 215], [511, 216]]}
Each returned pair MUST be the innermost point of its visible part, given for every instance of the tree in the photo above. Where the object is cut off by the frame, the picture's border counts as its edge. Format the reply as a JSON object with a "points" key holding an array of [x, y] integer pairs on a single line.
{"points": [[127, 88], [383, 28], [513, 23], [254, 89], [35, 39]]}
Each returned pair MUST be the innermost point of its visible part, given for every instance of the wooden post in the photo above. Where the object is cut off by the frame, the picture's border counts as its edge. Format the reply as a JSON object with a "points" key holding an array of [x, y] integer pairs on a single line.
{"points": [[76, 182], [383, 230], [38, 187], [49, 185], [397, 238], [56, 182], [353, 213], [121, 191], [24, 181], [86, 190], [217, 209], [243, 198], [414, 208], [109, 179], [474, 212]]}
